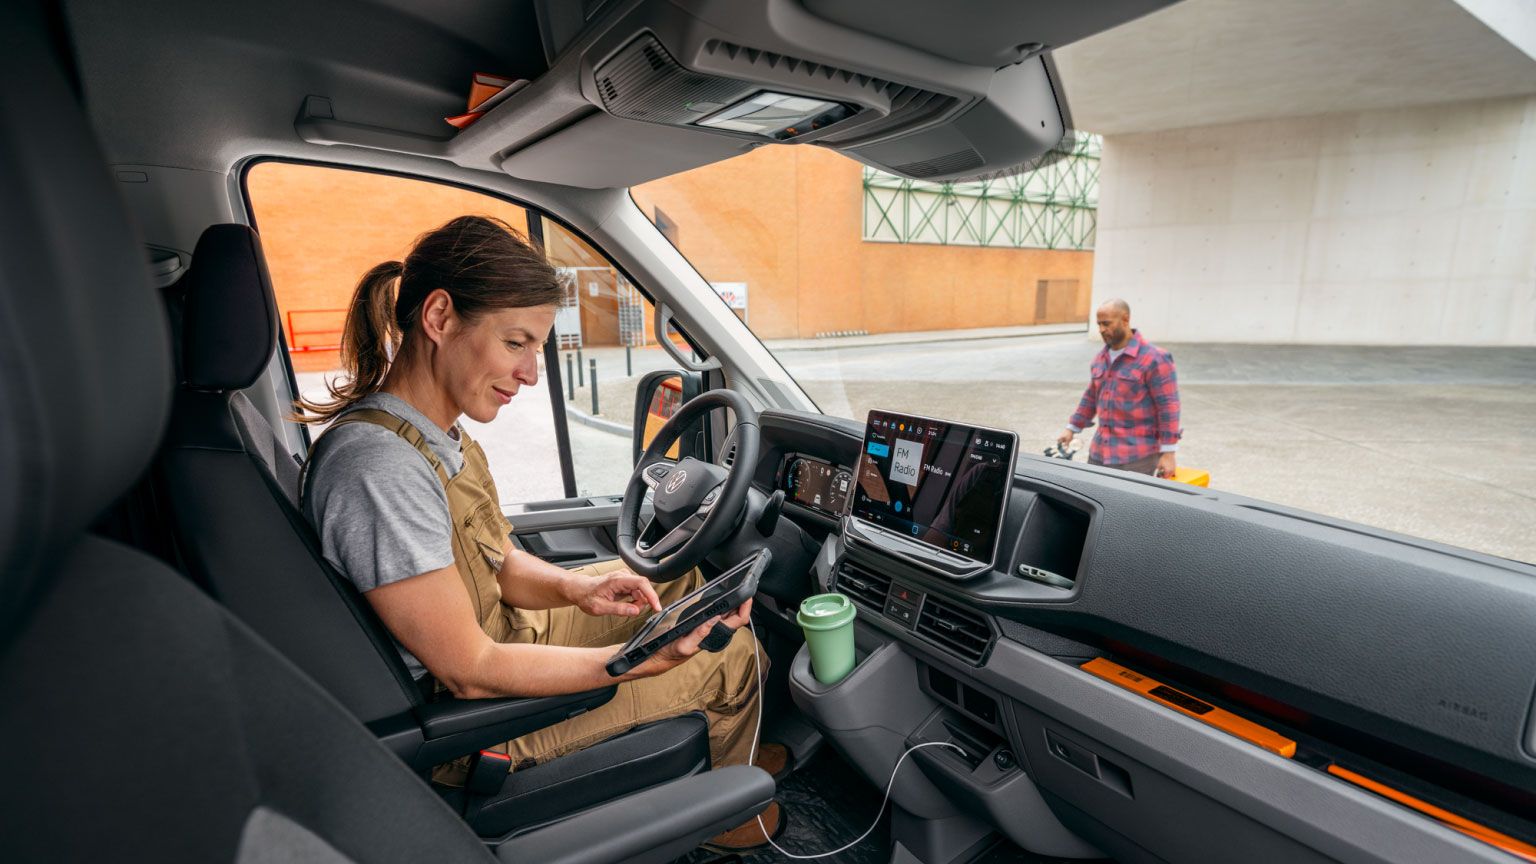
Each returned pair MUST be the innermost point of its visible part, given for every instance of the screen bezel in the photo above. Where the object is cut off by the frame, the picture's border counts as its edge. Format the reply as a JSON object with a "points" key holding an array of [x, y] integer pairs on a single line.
{"points": [[979, 564]]}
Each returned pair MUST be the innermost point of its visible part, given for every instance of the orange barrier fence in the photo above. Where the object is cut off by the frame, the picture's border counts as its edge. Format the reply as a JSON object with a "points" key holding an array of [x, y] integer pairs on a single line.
{"points": [[315, 329]]}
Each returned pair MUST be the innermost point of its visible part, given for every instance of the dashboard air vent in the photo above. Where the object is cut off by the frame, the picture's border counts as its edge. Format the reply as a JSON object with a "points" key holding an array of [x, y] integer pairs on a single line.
{"points": [[729, 458], [865, 586], [964, 632]]}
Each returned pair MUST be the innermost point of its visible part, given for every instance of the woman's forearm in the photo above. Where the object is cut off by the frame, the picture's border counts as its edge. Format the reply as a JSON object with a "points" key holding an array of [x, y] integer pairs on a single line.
{"points": [[528, 582], [534, 670]]}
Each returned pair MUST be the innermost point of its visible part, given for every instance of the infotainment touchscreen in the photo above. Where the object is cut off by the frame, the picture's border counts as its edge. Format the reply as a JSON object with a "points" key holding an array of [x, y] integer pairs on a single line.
{"points": [[943, 484]]}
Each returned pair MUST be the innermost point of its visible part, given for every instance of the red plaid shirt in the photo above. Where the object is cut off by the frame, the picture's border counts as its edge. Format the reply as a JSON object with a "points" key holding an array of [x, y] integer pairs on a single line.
{"points": [[1136, 399]]}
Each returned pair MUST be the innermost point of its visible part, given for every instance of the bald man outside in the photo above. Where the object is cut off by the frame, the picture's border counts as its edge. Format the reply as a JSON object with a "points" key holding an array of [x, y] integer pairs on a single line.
{"points": [[1135, 394]]}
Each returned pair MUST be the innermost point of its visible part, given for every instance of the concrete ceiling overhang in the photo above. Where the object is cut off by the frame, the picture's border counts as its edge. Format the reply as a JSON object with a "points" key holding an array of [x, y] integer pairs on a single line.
{"points": [[1205, 62]]}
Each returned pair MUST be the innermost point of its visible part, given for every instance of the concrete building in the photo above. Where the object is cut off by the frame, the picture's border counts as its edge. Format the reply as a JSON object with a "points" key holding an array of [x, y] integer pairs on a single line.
{"points": [[1317, 172]]}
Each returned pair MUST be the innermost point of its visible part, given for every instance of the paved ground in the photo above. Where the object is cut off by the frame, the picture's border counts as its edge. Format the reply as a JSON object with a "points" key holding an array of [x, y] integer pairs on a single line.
{"points": [[1432, 442]]}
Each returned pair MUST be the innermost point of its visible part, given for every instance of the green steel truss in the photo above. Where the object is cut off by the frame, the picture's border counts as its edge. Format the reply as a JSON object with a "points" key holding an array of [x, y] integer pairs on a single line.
{"points": [[1055, 207]]}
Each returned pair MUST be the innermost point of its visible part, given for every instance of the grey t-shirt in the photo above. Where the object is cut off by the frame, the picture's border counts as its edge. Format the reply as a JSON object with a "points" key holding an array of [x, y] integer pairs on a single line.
{"points": [[378, 507]]}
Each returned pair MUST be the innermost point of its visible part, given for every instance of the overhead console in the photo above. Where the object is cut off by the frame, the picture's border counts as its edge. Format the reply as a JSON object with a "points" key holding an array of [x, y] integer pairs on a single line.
{"points": [[637, 90], [712, 79]]}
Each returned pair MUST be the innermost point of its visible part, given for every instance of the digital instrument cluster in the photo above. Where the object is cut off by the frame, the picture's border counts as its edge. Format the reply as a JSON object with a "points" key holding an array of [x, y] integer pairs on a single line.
{"points": [[818, 485]]}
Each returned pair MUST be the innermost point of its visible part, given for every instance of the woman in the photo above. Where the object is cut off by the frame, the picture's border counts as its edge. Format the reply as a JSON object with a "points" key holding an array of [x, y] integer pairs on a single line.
{"points": [[405, 507]]}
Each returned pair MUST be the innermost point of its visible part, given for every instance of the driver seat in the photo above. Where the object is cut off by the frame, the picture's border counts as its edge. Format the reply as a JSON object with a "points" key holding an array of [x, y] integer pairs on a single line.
{"points": [[233, 488]]}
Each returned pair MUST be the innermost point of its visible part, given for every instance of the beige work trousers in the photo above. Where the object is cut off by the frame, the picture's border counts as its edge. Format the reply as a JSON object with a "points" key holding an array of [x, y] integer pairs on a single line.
{"points": [[723, 685]]}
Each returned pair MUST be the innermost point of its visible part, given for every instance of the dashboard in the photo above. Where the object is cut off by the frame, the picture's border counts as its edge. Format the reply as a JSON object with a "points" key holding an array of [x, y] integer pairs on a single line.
{"points": [[1086, 566]]}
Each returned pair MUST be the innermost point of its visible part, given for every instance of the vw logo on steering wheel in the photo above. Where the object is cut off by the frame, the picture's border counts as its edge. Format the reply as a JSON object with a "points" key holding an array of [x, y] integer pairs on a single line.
{"points": [[675, 482]]}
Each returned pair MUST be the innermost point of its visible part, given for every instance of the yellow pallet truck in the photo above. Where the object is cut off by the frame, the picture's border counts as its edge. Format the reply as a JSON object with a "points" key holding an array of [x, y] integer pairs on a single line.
{"points": [[1181, 473]]}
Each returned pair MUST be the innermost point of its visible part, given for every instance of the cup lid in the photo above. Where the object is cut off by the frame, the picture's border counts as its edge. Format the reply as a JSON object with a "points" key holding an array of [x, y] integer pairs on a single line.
{"points": [[825, 611]]}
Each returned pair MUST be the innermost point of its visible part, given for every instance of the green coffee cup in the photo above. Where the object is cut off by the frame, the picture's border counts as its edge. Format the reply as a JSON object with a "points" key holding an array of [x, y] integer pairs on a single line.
{"points": [[827, 620]]}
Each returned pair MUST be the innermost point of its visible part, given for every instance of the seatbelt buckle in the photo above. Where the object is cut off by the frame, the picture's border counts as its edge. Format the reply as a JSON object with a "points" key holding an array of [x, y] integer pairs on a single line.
{"points": [[487, 772]]}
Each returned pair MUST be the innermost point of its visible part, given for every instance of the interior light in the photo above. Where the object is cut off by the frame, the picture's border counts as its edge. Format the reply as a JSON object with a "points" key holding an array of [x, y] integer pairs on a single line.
{"points": [[777, 115]]}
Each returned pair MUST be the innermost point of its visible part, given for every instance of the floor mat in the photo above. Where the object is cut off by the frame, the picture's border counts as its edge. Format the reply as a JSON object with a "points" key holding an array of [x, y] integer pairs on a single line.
{"points": [[829, 803]]}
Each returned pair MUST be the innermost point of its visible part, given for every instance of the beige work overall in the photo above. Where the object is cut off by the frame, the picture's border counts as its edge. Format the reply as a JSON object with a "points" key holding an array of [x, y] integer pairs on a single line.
{"points": [[721, 685]]}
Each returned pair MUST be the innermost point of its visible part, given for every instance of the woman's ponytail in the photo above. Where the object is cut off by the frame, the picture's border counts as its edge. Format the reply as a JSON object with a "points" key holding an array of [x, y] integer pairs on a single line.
{"points": [[369, 340]]}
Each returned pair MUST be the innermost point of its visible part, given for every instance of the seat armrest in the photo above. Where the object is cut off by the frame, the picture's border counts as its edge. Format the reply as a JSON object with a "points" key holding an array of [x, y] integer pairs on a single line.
{"points": [[452, 728], [656, 825]]}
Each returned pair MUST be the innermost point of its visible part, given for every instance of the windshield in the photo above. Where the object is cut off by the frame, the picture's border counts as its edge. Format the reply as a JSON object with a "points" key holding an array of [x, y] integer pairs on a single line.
{"points": [[1230, 308]]}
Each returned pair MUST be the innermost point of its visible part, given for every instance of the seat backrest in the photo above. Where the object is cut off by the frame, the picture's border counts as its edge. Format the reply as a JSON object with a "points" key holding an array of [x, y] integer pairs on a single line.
{"points": [[139, 721], [232, 485]]}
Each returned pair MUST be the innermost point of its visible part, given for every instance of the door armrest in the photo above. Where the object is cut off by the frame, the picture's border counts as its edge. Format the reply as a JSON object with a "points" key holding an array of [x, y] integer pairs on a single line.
{"points": [[656, 825]]}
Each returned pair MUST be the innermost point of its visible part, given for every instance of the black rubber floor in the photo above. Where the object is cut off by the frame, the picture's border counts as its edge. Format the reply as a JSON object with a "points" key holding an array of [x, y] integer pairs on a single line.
{"points": [[829, 803]]}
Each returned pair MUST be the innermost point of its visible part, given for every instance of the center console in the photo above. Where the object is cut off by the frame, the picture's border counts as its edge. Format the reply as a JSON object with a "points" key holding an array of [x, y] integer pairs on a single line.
{"points": [[927, 529]]}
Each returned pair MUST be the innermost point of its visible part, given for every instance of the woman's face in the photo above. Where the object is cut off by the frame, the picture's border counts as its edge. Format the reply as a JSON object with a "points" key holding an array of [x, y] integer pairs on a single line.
{"points": [[483, 363]]}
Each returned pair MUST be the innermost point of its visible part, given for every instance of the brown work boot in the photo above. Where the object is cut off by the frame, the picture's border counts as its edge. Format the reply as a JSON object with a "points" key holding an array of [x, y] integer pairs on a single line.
{"points": [[748, 835], [773, 758]]}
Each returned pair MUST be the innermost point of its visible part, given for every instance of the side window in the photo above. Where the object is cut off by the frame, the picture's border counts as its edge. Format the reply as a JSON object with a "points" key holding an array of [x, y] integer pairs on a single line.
{"points": [[605, 337], [323, 228]]}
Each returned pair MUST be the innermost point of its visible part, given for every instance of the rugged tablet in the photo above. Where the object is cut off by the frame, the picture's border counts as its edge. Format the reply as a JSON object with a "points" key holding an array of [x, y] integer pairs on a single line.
{"points": [[715, 597]]}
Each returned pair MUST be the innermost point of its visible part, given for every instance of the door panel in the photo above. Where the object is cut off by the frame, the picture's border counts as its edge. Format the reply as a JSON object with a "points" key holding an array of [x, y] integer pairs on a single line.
{"points": [[569, 532]]}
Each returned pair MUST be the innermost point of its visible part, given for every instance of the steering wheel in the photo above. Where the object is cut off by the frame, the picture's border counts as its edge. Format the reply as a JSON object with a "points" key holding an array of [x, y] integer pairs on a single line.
{"points": [[697, 503]]}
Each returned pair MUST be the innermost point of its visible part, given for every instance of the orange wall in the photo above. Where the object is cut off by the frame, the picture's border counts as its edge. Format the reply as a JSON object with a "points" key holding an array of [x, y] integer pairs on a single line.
{"points": [[323, 228], [788, 222]]}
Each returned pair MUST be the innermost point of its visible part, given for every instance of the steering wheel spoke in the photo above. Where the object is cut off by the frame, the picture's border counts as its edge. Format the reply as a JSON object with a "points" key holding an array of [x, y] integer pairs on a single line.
{"points": [[672, 540]]}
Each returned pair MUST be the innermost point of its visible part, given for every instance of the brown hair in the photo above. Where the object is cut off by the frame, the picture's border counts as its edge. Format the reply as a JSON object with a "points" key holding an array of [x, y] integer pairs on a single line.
{"points": [[480, 261]]}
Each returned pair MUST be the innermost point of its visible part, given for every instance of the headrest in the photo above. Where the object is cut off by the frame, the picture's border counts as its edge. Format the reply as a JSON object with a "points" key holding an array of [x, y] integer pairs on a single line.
{"points": [[84, 355], [229, 323]]}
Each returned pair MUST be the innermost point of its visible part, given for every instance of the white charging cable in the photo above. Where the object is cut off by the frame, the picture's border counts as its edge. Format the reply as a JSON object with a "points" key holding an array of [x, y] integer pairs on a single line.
{"points": [[757, 736]]}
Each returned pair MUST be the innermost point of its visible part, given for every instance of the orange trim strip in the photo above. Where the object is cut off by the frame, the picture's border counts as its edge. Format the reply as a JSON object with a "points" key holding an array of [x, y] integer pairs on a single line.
{"points": [[1503, 842], [1189, 706]]}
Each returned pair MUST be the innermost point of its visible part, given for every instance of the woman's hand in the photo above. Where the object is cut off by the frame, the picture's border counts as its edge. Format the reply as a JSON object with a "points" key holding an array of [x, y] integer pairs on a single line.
{"points": [[680, 651], [618, 593]]}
